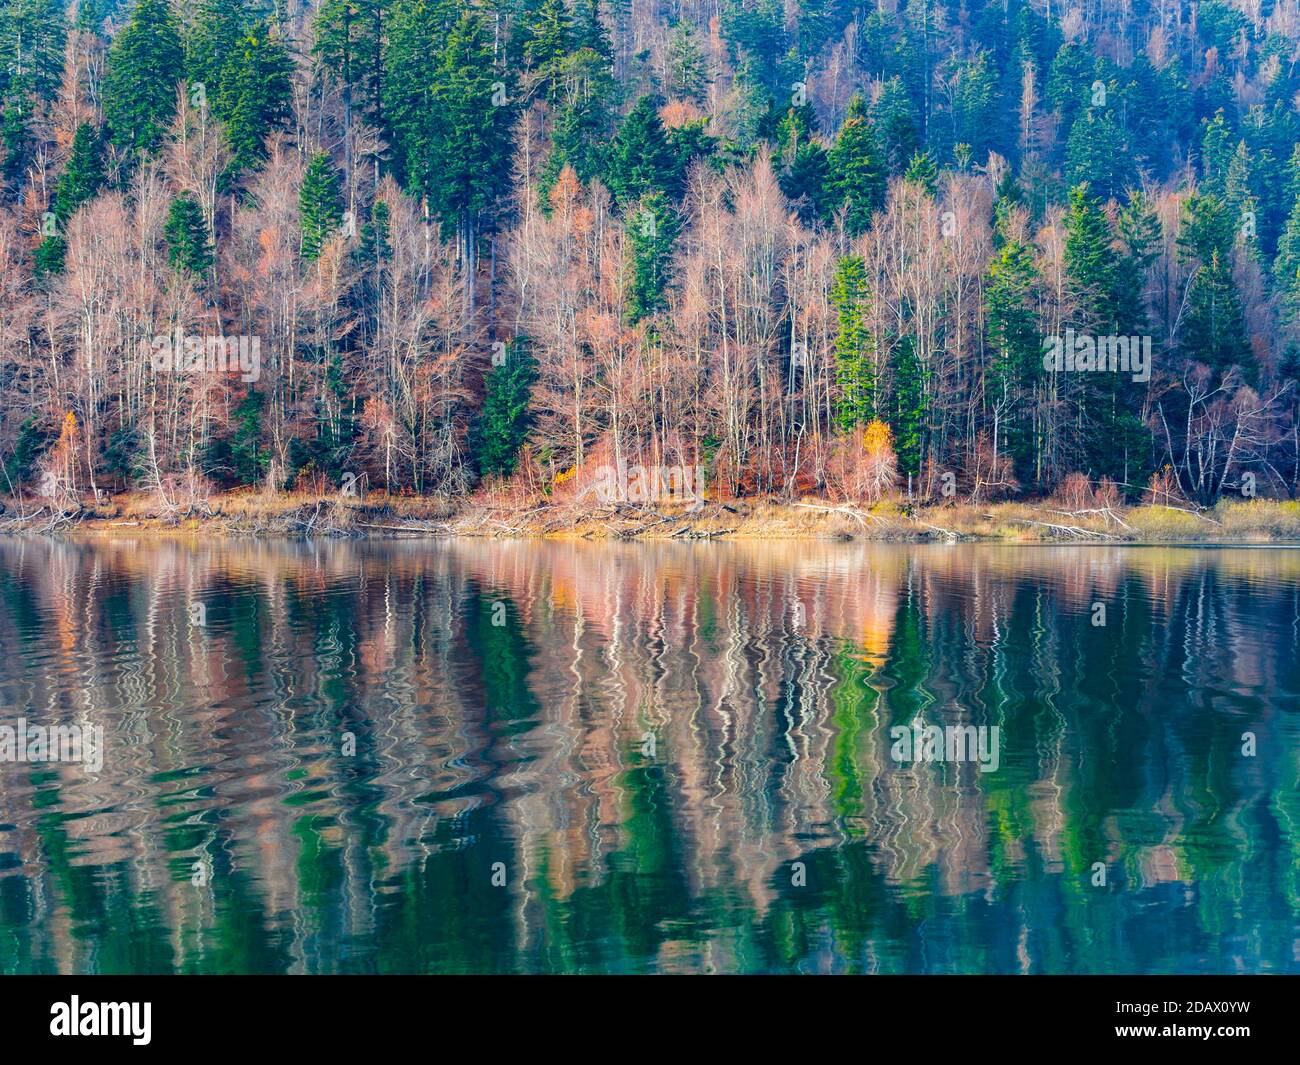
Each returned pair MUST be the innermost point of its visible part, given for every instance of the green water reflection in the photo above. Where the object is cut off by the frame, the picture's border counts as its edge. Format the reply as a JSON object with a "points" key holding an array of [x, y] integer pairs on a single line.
{"points": [[507, 757]]}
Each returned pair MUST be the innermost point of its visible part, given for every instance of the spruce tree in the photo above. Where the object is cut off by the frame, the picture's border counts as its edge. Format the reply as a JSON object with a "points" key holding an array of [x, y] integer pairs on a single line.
{"points": [[348, 47], [909, 406], [144, 65], [922, 170], [1097, 152], [83, 177], [186, 234], [1214, 332], [652, 228], [1139, 232], [451, 112], [1286, 267], [503, 421], [1015, 340], [641, 160], [254, 96], [1089, 262], [854, 368], [320, 205], [856, 178]]}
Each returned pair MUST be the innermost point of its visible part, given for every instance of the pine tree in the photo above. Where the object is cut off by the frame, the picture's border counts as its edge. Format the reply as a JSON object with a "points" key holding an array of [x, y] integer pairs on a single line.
{"points": [[641, 161], [857, 171], [652, 228], [503, 421], [909, 406], [1215, 329], [1097, 152], [1014, 337], [1140, 234], [1089, 262], [320, 205], [854, 368], [348, 47], [922, 170], [144, 65], [254, 95], [83, 177], [186, 234], [1286, 267]]}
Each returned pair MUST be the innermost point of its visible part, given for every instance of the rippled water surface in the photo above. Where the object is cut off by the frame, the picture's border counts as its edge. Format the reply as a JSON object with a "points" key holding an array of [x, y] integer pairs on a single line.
{"points": [[475, 756]]}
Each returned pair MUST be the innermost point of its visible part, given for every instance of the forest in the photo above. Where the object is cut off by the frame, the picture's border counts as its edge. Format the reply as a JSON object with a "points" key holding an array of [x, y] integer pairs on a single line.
{"points": [[806, 248]]}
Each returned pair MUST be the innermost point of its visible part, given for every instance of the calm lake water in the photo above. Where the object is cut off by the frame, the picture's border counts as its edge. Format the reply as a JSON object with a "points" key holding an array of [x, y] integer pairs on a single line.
{"points": [[522, 757]]}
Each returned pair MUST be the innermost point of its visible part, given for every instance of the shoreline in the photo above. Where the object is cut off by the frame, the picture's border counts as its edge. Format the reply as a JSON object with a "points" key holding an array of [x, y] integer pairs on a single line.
{"points": [[296, 516]]}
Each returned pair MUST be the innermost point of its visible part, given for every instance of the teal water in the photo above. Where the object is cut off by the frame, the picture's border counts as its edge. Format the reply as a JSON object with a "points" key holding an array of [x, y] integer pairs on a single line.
{"points": [[519, 757]]}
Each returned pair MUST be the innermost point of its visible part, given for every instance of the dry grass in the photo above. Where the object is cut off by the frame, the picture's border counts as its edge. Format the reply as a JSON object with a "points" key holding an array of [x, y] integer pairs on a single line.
{"points": [[295, 514]]}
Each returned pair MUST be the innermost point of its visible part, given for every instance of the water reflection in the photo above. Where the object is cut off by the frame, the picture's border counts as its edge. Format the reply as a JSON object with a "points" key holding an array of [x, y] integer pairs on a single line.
{"points": [[676, 757]]}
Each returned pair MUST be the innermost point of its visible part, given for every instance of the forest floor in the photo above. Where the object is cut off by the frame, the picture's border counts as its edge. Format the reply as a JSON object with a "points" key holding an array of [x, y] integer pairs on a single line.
{"points": [[300, 515]]}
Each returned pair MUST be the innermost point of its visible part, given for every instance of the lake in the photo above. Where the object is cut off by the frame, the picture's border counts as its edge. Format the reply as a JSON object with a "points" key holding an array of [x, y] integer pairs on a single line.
{"points": [[498, 756]]}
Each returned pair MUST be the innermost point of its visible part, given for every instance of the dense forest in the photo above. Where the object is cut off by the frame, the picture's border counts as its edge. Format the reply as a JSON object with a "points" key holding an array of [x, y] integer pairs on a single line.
{"points": [[811, 247]]}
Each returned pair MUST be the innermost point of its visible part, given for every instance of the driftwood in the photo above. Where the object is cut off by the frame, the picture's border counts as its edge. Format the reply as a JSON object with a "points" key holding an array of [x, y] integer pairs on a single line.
{"points": [[1073, 530], [861, 518]]}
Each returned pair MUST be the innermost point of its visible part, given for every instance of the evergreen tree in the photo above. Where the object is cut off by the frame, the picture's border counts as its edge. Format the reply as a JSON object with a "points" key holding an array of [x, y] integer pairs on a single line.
{"points": [[186, 234], [588, 30], [32, 39], [1097, 152], [349, 49], [854, 349], [144, 65], [254, 95], [857, 170], [651, 229], [922, 170], [450, 113], [548, 38], [504, 421], [909, 406], [82, 178], [1216, 154], [320, 205], [211, 44], [894, 116], [804, 181], [686, 75], [1015, 340], [1139, 233], [1215, 329], [641, 160], [48, 258], [1090, 267], [1286, 267]]}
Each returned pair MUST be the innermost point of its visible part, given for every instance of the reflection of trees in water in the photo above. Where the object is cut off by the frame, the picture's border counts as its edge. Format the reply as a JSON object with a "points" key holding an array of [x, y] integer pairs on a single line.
{"points": [[647, 737]]}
